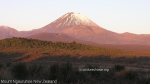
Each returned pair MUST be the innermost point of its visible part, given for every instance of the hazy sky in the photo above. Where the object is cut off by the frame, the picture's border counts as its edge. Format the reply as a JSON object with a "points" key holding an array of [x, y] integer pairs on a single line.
{"points": [[115, 15]]}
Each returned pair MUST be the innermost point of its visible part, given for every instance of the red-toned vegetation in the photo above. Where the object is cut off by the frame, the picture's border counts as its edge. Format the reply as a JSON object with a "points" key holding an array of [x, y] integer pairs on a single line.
{"points": [[25, 50]]}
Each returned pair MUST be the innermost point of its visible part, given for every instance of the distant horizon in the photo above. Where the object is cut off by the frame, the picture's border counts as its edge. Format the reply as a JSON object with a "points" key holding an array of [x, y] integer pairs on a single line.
{"points": [[116, 16]]}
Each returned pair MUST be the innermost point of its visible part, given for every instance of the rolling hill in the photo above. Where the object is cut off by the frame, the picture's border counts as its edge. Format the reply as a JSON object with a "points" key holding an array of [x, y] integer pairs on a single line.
{"points": [[26, 50]]}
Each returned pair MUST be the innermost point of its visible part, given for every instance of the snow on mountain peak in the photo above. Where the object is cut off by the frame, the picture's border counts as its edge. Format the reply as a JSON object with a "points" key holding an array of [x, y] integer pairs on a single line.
{"points": [[73, 19]]}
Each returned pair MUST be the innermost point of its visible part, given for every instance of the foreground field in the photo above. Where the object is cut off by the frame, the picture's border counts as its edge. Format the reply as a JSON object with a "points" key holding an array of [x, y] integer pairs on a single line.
{"points": [[30, 59], [67, 73]]}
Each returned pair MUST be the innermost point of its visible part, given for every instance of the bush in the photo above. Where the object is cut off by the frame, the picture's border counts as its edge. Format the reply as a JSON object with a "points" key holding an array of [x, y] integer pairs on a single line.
{"points": [[65, 70], [8, 64], [19, 71], [35, 71], [54, 72], [131, 75], [1, 66], [128, 75], [92, 73], [145, 81], [119, 67]]}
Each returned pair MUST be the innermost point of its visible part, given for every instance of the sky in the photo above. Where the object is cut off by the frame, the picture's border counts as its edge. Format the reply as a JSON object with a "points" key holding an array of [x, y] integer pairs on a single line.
{"points": [[115, 15]]}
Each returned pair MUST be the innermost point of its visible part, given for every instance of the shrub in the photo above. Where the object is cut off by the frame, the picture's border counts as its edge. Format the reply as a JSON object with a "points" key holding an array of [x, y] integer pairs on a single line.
{"points": [[66, 68], [72, 77], [144, 81], [54, 72], [92, 73], [19, 71], [128, 75], [1, 66], [8, 64], [35, 71], [119, 67], [90, 66], [131, 75]]}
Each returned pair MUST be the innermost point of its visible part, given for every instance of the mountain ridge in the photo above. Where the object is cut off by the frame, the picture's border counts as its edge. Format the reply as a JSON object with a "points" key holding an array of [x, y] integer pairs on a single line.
{"points": [[81, 27]]}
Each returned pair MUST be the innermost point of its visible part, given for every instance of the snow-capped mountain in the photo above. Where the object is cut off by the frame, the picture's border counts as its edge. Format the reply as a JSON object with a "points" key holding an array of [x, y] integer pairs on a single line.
{"points": [[67, 21], [72, 19], [78, 26]]}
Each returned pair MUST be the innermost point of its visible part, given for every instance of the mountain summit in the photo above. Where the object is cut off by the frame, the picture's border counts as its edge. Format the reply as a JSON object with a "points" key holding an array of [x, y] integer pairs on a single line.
{"points": [[67, 21], [73, 19]]}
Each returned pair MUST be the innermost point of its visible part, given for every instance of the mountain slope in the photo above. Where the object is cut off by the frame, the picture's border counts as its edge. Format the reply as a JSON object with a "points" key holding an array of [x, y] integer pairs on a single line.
{"points": [[137, 36], [7, 32], [58, 37], [79, 26], [55, 37]]}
